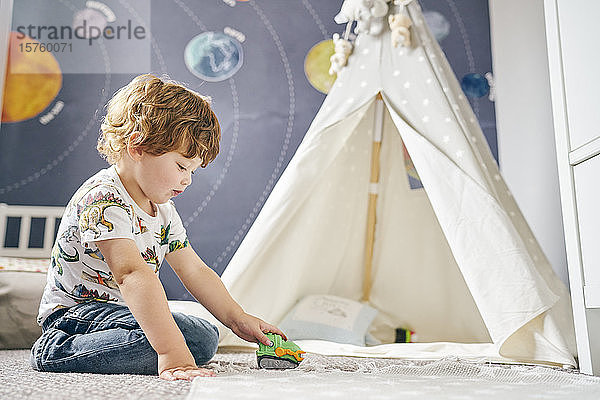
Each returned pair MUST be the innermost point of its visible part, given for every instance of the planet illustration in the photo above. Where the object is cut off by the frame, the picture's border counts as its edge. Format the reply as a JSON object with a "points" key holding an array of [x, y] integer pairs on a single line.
{"points": [[438, 24], [475, 85], [316, 66], [213, 56], [33, 80]]}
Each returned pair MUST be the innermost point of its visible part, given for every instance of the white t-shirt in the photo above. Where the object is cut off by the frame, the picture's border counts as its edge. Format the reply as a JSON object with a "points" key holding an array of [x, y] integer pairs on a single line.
{"points": [[102, 209]]}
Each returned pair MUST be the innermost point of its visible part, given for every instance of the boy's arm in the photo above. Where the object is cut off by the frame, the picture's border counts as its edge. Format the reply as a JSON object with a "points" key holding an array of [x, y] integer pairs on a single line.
{"points": [[147, 301], [206, 286]]}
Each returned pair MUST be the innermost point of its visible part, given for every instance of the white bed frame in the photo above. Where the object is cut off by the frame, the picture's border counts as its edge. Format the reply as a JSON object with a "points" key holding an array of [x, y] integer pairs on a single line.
{"points": [[26, 213]]}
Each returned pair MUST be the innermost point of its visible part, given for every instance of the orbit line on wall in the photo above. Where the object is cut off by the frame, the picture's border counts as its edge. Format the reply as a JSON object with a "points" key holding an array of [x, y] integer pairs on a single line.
{"points": [[284, 148]]}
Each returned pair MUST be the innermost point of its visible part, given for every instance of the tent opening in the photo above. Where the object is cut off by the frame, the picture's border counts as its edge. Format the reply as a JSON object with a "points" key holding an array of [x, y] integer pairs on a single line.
{"points": [[415, 281]]}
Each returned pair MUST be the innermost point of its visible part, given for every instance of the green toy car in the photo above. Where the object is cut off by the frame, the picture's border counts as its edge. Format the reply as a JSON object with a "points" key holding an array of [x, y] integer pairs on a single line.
{"points": [[284, 354]]}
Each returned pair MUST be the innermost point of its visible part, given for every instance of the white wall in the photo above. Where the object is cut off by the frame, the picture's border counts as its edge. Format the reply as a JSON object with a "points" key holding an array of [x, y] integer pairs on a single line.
{"points": [[526, 146]]}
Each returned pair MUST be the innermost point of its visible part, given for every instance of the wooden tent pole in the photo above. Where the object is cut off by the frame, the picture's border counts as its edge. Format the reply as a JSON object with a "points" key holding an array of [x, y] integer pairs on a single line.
{"points": [[373, 192]]}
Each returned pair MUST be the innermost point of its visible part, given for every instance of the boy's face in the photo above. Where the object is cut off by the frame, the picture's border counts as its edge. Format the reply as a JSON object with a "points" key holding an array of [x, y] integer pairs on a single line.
{"points": [[162, 177]]}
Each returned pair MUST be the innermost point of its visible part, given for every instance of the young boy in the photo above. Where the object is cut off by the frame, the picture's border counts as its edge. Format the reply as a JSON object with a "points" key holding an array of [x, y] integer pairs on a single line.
{"points": [[104, 309]]}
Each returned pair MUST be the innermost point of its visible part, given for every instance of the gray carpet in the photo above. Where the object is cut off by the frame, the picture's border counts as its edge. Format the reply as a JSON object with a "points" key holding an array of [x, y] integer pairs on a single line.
{"points": [[19, 381]]}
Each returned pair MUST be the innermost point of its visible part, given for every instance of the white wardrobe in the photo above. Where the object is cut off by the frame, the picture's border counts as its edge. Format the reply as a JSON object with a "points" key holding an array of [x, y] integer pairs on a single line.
{"points": [[572, 30]]}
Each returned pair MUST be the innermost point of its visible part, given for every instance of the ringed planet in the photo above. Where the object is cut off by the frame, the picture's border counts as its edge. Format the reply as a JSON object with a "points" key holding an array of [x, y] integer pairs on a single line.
{"points": [[316, 66]]}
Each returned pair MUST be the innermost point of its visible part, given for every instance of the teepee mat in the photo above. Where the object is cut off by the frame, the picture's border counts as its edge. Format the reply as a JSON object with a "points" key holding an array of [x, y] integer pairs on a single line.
{"points": [[327, 377]]}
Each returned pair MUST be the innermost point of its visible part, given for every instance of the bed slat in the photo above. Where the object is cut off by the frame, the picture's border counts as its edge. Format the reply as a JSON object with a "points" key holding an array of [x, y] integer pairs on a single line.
{"points": [[26, 213]]}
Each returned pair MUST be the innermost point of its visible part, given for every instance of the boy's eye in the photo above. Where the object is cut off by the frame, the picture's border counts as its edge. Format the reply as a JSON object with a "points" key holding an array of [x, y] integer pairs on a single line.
{"points": [[182, 168]]}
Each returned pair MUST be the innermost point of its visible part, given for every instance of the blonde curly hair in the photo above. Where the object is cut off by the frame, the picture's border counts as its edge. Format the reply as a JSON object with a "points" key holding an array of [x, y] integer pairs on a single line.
{"points": [[168, 117]]}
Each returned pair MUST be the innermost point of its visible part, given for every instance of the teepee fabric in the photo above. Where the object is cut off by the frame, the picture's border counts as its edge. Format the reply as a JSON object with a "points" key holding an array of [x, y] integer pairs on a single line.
{"points": [[454, 260]]}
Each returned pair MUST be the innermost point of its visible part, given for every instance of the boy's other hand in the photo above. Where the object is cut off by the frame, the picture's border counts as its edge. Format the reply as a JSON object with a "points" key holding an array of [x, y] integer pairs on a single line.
{"points": [[253, 329], [186, 374], [180, 365]]}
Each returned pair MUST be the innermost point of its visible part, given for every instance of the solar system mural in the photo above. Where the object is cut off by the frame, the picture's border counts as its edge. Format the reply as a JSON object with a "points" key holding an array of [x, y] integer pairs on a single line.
{"points": [[264, 63]]}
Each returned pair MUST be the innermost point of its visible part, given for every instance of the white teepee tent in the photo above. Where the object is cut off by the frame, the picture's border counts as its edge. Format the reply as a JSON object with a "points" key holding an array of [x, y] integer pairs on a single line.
{"points": [[454, 260]]}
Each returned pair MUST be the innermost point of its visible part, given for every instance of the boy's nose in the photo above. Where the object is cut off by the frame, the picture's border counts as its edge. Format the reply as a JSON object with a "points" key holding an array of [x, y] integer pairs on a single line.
{"points": [[187, 180]]}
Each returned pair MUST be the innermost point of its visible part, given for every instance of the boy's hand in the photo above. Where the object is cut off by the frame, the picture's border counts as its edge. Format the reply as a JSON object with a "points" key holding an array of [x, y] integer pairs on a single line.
{"points": [[172, 367], [186, 374], [253, 329]]}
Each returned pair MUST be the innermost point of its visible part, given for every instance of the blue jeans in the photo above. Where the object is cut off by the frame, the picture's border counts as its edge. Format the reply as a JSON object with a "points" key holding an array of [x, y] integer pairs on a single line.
{"points": [[105, 338]]}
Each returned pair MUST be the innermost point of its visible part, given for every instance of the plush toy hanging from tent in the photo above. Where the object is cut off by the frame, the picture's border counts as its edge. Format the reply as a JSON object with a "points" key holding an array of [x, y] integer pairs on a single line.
{"points": [[343, 49], [400, 26], [368, 14], [370, 18]]}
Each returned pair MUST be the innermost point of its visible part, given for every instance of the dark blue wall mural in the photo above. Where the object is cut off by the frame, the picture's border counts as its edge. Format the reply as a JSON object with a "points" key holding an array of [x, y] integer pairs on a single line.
{"points": [[249, 56]]}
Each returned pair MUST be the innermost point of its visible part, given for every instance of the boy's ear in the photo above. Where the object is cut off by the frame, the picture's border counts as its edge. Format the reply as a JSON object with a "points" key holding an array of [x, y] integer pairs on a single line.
{"points": [[133, 150]]}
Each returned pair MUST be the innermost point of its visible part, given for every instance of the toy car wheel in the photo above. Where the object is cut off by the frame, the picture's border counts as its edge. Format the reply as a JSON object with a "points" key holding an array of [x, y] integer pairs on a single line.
{"points": [[270, 362]]}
